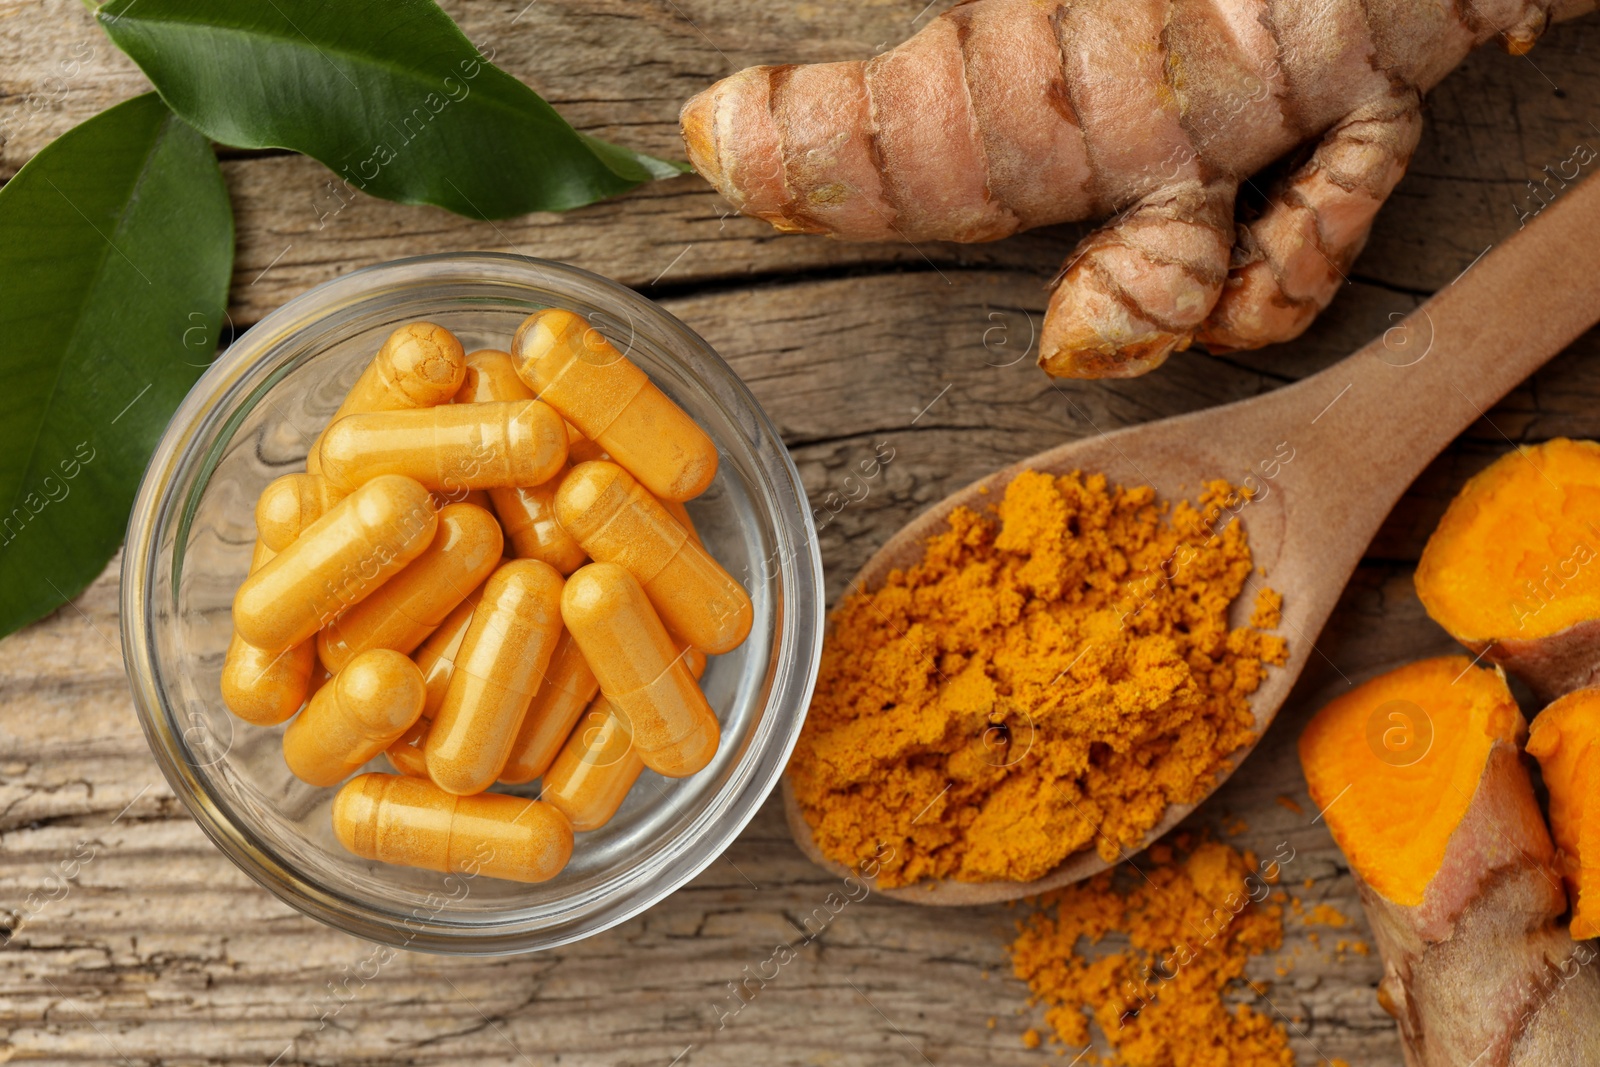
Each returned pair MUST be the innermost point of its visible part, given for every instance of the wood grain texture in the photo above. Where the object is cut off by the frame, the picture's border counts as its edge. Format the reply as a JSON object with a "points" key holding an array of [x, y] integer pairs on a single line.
{"points": [[157, 950]]}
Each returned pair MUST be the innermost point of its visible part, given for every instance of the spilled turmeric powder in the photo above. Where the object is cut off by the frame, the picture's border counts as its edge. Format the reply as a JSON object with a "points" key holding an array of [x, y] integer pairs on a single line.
{"points": [[1045, 680], [1193, 918], [1327, 915]]}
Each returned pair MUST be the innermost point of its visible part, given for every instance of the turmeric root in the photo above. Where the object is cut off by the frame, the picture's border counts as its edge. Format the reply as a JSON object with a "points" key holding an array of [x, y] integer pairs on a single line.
{"points": [[1511, 570], [1001, 115], [1420, 780], [1563, 739]]}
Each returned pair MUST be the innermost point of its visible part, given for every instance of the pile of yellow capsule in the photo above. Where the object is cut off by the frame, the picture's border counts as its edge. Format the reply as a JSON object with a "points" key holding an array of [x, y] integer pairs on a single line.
{"points": [[383, 615]]}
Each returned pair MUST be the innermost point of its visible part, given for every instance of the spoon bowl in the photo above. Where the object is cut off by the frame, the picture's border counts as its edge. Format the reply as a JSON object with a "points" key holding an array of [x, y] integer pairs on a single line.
{"points": [[1356, 434]]}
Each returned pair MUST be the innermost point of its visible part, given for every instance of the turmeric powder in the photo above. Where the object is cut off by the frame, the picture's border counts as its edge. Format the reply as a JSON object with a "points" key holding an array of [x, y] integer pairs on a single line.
{"points": [[1192, 923], [1043, 681]]}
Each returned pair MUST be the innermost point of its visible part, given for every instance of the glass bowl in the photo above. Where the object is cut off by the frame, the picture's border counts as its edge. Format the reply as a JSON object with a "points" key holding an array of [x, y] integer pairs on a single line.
{"points": [[250, 418]]}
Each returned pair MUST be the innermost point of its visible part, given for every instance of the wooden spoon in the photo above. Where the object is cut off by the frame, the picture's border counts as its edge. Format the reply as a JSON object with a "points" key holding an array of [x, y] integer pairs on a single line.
{"points": [[1359, 433]]}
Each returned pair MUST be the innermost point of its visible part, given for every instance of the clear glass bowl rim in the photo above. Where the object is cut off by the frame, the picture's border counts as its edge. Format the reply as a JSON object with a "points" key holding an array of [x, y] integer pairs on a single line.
{"points": [[196, 425]]}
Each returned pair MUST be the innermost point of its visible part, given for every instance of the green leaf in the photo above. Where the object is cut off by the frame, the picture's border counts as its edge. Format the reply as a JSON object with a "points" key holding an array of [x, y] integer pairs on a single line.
{"points": [[116, 246], [389, 94]]}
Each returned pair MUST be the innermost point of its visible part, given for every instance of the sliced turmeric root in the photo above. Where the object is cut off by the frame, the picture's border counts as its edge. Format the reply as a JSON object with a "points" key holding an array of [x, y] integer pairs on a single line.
{"points": [[1420, 780], [1565, 739], [1511, 572], [1397, 763]]}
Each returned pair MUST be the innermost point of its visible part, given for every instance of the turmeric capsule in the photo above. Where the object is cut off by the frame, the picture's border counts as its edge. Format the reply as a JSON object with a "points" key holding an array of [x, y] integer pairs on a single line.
{"points": [[338, 561], [419, 366], [680, 515], [372, 701], [491, 376], [503, 656], [614, 404], [436, 659], [529, 519], [594, 770], [597, 766], [478, 498], [616, 520], [526, 513], [640, 669], [409, 753], [580, 449], [265, 688], [451, 448], [288, 505], [411, 821], [488, 375], [437, 656], [320, 675], [408, 607], [566, 690]]}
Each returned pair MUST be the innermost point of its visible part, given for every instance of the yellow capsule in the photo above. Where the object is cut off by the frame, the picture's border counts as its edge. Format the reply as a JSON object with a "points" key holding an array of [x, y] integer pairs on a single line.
{"points": [[566, 690], [594, 770], [597, 766], [641, 671], [478, 498], [411, 821], [371, 702], [409, 753], [338, 561], [529, 518], [614, 404], [288, 505], [437, 655], [680, 513], [502, 658], [451, 448], [580, 449], [526, 513], [408, 607], [265, 688], [419, 366], [616, 520], [491, 375], [436, 659]]}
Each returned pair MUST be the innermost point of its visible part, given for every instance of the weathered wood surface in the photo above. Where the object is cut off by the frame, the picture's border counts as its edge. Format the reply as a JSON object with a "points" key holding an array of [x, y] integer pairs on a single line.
{"points": [[157, 950]]}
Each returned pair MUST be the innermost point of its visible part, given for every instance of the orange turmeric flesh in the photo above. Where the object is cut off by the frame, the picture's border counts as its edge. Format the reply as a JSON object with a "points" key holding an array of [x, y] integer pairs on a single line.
{"points": [[1395, 764], [1563, 738], [1514, 555], [1046, 680]]}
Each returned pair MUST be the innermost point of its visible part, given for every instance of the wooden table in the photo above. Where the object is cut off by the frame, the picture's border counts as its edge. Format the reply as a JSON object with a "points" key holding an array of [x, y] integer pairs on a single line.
{"points": [[157, 950]]}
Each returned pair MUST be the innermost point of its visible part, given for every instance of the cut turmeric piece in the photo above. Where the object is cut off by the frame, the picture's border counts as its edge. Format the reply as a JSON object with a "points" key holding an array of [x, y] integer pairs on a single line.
{"points": [[1565, 739], [1394, 764], [1511, 568], [1454, 866]]}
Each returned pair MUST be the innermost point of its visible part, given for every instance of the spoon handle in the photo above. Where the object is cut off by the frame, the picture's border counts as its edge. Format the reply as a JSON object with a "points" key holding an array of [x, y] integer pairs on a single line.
{"points": [[1366, 427]]}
